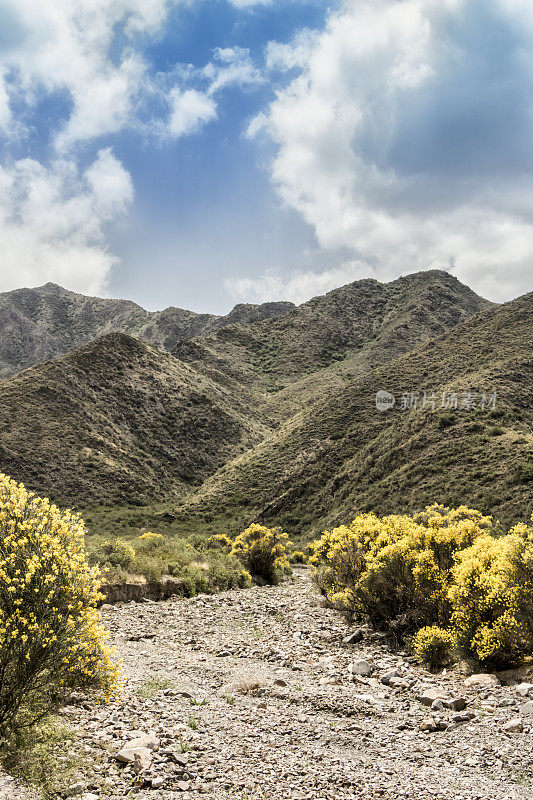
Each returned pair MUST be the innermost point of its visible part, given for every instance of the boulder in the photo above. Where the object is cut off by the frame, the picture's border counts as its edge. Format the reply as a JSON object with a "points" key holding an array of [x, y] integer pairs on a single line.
{"points": [[482, 680]]}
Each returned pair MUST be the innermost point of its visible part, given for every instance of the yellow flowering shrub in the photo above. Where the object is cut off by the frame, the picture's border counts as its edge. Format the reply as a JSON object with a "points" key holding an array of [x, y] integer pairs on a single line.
{"points": [[421, 571], [492, 599], [51, 636], [263, 551], [433, 646]]}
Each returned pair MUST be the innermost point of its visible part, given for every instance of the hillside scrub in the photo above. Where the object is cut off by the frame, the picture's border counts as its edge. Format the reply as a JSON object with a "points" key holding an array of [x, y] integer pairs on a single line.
{"points": [[448, 576], [51, 637], [201, 567]]}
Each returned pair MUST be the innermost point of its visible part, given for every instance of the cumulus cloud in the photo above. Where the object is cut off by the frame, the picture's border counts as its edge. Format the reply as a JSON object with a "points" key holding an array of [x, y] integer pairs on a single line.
{"points": [[189, 111], [52, 221], [405, 136], [66, 47], [88, 59]]}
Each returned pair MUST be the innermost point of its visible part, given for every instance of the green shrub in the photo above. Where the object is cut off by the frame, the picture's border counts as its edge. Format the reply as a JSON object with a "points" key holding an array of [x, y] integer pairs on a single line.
{"points": [[263, 552], [117, 553], [432, 646], [298, 557]]}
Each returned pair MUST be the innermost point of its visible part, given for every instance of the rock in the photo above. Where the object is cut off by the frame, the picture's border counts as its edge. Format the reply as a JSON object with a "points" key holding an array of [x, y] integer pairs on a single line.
{"points": [[527, 709], [433, 724], [437, 705], [428, 696], [387, 676], [354, 638], [280, 682], [76, 789], [156, 783], [142, 759], [128, 755], [361, 667], [459, 718], [457, 704], [525, 689], [183, 786], [482, 680], [89, 796], [514, 726]]}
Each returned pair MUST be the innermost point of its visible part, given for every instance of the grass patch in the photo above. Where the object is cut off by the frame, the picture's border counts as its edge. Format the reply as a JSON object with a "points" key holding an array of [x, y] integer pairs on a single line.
{"points": [[47, 758]]}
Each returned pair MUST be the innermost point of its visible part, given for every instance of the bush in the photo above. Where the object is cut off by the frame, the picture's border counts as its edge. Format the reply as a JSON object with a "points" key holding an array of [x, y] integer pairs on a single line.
{"points": [[263, 552], [115, 554], [408, 573], [298, 557], [433, 646], [51, 638], [492, 599]]}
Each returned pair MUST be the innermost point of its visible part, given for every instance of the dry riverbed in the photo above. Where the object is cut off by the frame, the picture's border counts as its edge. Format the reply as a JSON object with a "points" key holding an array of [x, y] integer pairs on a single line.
{"points": [[254, 694]]}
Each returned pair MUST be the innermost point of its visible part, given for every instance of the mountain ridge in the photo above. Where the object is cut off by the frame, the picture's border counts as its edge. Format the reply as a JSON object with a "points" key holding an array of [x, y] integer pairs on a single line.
{"points": [[49, 321]]}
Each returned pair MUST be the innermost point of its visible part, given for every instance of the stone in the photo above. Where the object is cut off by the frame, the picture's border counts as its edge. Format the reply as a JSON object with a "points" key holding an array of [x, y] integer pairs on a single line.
{"points": [[354, 638], [437, 705], [387, 676], [428, 696], [361, 667], [514, 726], [142, 759], [482, 680], [183, 786], [432, 724], [128, 754], [527, 709], [525, 689], [89, 796], [456, 704], [156, 783], [280, 682]]}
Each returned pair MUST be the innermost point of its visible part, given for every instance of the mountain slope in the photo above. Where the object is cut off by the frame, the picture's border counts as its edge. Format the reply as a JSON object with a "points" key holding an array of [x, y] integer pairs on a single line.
{"points": [[378, 321], [118, 421], [343, 455], [47, 322]]}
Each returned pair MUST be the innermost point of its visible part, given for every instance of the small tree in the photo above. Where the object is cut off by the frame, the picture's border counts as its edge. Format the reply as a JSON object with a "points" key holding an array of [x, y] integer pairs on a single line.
{"points": [[51, 637]]}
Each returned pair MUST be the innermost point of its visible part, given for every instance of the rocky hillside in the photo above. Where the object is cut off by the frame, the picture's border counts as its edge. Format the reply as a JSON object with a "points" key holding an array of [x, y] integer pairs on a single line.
{"points": [[342, 455], [118, 420], [273, 416], [38, 324]]}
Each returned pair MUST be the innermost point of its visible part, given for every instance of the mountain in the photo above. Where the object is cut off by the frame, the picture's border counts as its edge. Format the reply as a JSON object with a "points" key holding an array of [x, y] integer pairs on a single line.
{"points": [[376, 321], [47, 322], [342, 455], [118, 421]]}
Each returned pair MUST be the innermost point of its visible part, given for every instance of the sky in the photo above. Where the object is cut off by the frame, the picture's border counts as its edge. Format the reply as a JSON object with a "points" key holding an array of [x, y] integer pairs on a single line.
{"points": [[201, 153]]}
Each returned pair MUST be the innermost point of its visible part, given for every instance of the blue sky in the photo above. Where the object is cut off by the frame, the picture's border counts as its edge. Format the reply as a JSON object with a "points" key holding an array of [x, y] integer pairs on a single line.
{"points": [[200, 153]]}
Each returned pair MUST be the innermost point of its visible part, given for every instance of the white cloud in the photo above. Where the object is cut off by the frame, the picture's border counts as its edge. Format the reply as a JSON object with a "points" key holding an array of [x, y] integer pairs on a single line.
{"points": [[298, 286], [52, 221], [66, 46], [400, 137], [189, 111]]}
